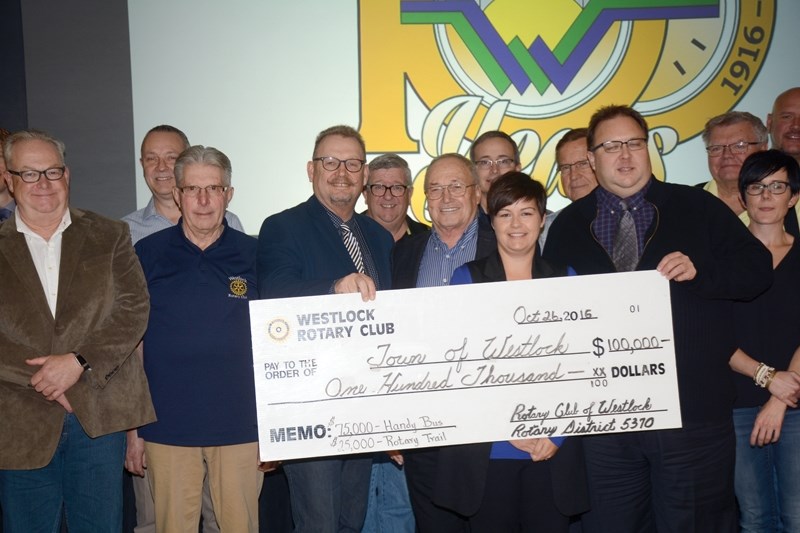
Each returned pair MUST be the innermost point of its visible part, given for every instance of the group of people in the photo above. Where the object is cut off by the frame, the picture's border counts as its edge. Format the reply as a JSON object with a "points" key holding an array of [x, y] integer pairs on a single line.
{"points": [[125, 344]]}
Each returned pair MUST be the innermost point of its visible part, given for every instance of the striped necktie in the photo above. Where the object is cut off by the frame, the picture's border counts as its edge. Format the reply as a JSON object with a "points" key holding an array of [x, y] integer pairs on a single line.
{"points": [[625, 253], [351, 243]]}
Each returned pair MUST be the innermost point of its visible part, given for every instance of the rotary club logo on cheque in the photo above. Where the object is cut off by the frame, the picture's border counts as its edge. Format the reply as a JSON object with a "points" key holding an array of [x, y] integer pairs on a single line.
{"points": [[436, 74]]}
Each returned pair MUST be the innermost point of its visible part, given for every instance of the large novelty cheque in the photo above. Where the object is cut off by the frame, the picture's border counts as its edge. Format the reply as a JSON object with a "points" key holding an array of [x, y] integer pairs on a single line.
{"points": [[471, 363]]}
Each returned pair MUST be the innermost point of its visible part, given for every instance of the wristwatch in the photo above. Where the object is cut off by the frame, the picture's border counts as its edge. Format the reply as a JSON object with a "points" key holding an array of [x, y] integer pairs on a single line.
{"points": [[82, 361]]}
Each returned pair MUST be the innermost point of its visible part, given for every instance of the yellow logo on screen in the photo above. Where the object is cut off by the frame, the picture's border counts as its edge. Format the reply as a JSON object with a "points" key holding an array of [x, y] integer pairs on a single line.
{"points": [[436, 74]]}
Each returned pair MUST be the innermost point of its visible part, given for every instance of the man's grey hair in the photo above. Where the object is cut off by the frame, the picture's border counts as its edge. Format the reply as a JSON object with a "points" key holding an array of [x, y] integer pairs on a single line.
{"points": [[203, 155], [469, 165], [387, 161], [32, 135], [735, 117]]}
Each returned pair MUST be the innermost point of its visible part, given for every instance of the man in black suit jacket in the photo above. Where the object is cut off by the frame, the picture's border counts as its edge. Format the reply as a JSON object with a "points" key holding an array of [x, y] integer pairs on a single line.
{"points": [[458, 235], [302, 252]]}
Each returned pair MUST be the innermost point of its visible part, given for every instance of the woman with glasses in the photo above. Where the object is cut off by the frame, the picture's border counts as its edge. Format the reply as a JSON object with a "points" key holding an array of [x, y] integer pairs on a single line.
{"points": [[767, 473], [530, 485]]}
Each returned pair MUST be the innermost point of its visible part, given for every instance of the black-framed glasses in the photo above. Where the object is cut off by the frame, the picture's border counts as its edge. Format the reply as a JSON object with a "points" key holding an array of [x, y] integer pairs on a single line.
{"points": [[456, 190], [379, 189], [741, 147], [32, 176], [567, 168], [612, 147], [193, 191], [757, 188], [332, 163], [486, 164]]}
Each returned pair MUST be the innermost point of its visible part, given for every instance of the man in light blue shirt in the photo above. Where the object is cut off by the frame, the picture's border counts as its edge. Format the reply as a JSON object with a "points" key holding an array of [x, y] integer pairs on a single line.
{"points": [[160, 148]]}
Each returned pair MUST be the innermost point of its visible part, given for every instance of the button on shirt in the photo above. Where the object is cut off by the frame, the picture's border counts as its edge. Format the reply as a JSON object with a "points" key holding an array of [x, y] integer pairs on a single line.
{"points": [[46, 256], [439, 262]]}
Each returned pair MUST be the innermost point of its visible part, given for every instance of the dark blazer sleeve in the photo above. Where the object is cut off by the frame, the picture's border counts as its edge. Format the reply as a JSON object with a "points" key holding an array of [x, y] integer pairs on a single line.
{"points": [[731, 263]]}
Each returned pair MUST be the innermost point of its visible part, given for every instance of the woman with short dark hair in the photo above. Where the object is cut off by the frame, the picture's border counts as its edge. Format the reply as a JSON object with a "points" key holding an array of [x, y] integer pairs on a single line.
{"points": [[767, 423], [529, 485]]}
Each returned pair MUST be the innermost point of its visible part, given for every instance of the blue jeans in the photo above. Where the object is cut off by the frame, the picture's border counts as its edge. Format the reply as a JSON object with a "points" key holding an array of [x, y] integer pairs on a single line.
{"points": [[388, 508], [329, 495], [768, 477], [84, 477]]}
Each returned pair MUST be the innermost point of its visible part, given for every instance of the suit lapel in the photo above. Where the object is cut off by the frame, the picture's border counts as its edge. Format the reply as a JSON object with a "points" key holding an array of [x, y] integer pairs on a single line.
{"points": [[328, 233]]}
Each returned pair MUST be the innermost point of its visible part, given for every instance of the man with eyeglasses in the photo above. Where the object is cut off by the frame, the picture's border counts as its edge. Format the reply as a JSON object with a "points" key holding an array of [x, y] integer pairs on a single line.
{"points": [[677, 479], [200, 275], [74, 305], [493, 153], [160, 149], [388, 193], [577, 175], [322, 246], [572, 161], [458, 235], [729, 139]]}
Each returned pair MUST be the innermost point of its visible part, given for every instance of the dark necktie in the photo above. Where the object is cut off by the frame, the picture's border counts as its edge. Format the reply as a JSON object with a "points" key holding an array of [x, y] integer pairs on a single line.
{"points": [[626, 246], [351, 243]]}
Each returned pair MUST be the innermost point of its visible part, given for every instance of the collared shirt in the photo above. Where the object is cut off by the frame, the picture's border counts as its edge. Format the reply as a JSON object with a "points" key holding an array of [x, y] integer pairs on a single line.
{"points": [[46, 255], [147, 221], [609, 213], [439, 262], [366, 256]]}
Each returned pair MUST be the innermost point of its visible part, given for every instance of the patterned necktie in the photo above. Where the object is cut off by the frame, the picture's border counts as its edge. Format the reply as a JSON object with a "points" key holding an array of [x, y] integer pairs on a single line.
{"points": [[626, 246], [351, 244]]}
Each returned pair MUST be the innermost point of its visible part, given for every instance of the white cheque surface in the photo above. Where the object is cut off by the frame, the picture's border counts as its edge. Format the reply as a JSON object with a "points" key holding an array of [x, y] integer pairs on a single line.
{"points": [[473, 363]]}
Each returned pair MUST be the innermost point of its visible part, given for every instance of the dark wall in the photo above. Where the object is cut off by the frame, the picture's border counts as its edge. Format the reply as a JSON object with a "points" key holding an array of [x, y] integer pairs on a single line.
{"points": [[13, 107], [77, 86]]}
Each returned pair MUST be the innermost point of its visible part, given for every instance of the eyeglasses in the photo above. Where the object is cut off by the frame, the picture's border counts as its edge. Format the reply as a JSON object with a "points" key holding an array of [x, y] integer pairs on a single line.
{"points": [[193, 191], [456, 190], [332, 163], [379, 189], [612, 147], [577, 165], [32, 176], [486, 164], [715, 150], [758, 188]]}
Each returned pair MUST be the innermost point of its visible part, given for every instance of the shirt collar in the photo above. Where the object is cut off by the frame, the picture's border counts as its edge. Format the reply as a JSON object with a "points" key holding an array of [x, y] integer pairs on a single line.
{"points": [[66, 220], [609, 202]]}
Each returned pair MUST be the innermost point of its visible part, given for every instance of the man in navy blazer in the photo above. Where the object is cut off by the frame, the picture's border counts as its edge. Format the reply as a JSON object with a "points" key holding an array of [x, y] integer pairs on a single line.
{"points": [[302, 252]]}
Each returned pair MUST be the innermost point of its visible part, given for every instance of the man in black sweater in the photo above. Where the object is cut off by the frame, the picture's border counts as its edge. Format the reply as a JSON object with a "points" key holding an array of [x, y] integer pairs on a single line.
{"points": [[678, 479]]}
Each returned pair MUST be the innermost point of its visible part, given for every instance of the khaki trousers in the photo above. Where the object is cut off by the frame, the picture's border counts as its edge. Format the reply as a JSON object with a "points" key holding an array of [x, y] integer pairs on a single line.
{"points": [[176, 477]]}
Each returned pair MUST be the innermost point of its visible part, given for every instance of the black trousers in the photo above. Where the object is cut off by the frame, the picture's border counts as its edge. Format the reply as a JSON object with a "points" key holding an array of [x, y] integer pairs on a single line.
{"points": [[666, 481]]}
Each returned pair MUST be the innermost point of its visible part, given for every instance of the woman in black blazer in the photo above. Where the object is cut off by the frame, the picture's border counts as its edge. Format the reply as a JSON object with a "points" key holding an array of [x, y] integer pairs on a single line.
{"points": [[530, 485]]}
